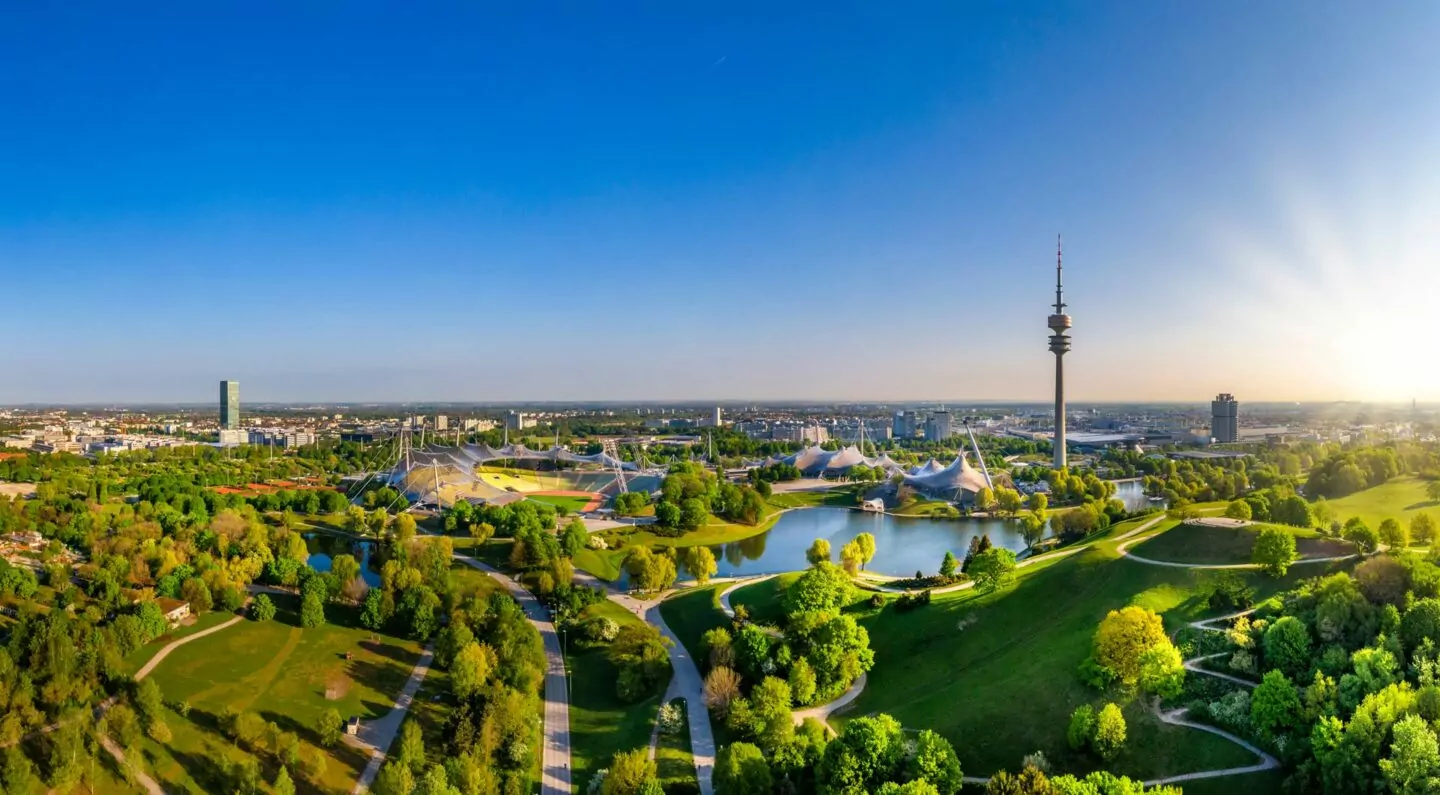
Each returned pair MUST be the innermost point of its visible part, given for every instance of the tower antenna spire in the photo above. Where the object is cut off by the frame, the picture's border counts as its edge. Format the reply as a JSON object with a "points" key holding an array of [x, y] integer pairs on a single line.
{"points": [[1059, 284], [1059, 324]]}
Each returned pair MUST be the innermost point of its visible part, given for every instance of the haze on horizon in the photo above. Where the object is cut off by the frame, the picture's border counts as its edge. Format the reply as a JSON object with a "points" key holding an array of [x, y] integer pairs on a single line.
{"points": [[378, 204]]}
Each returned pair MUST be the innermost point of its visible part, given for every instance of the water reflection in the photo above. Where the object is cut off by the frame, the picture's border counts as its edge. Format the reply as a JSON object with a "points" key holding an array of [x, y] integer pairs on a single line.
{"points": [[324, 548], [903, 545]]}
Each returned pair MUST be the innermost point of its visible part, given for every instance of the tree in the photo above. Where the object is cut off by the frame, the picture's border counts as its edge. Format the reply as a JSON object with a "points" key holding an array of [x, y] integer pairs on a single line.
{"points": [[1275, 705], [741, 769], [1414, 763], [722, 686], [1422, 529], [1420, 623], [770, 705], [866, 542], [574, 538], [312, 609], [1393, 535], [934, 760], [693, 513], [1032, 527], [821, 587], [631, 772], [1274, 550], [1361, 535], [819, 551], [283, 785], [948, 565], [261, 608], [197, 593], [330, 727], [470, 669], [650, 571], [1287, 646], [346, 568], [1082, 727], [802, 682], [404, 528], [852, 557], [1238, 509], [700, 562], [992, 568], [984, 499], [1162, 672], [1432, 490], [1109, 732], [395, 778], [1123, 637], [866, 754], [412, 746], [1008, 501]]}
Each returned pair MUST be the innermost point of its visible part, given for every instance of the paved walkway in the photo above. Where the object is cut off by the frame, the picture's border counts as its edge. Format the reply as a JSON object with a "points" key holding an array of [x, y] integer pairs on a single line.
{"points": [[824, 711], [555, 759], [377, 735], [1124, 549]]}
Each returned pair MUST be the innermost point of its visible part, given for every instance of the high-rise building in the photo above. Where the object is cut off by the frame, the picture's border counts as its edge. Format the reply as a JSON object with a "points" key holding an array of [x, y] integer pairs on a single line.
{"points": [[937, 426], [229, 405], [1225, 418], [517, 421], [718, 419], [441, 422], [1059, 324], [906, 424]]}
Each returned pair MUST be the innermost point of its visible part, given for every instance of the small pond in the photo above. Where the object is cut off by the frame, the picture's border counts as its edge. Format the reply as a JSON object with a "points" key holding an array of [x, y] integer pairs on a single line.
{"points": [[903, 545], [324, 547]]}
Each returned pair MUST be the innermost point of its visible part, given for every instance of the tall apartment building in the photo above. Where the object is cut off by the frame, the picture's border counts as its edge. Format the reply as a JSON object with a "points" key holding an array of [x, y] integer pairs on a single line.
{"points": [[1225, 418], [938, 426], [906, 424], [229, 405], [442, 422]]}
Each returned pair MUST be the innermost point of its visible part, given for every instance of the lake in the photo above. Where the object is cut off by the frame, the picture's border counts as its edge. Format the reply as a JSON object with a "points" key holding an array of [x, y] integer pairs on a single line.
{"points": [[903, 545], [325, 547]]}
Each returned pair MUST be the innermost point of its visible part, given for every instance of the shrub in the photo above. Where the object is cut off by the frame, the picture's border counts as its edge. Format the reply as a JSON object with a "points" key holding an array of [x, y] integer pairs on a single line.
{"points": [[877, 601], [1109, 732], [912, 601], [671, 718], [601, 629]]}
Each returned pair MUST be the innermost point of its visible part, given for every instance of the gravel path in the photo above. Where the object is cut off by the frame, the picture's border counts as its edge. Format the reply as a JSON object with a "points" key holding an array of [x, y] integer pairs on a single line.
{"points": [[377, 735]]}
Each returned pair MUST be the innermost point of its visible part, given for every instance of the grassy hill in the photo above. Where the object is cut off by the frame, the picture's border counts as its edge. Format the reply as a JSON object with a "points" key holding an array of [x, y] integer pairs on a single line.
{"points": [[1203, 544], [996, 673], [1401, 498]]}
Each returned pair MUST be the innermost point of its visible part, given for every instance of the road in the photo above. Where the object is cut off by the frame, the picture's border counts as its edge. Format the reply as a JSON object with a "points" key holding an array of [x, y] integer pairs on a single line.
{"points": [[555, 759]]}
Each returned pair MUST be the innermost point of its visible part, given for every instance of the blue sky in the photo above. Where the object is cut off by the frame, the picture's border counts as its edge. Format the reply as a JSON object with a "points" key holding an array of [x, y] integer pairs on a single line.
{"points": [[669, 201]]}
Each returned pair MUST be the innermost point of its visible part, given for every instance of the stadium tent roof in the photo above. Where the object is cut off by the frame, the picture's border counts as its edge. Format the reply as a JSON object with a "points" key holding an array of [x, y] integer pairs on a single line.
{"points": [[929, 467], [484, 453], [959, 476]]}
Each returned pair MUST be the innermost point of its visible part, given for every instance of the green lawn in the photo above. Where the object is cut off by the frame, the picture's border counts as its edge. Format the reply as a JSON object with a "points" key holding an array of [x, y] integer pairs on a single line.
{"points": [[693, 612], [996, 673], [142, 655], [839, 497], [572, 504], [1400, 499], [289, 676], [605, 564], [675, 764], [470, 581], [600, 723], [1222, 545]]}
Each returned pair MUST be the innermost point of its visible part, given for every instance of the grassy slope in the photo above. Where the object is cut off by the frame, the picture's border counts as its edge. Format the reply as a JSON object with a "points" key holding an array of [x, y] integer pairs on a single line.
{"points": [[281, 671], [693, 612], [142, 655], [605, 564], [1219, 545], [1400, 499], [675, 764], [1005, 685], [600, 723]]}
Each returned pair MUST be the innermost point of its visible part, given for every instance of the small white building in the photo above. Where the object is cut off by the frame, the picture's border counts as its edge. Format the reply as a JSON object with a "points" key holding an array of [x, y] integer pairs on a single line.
{"points": [[874, 506]]}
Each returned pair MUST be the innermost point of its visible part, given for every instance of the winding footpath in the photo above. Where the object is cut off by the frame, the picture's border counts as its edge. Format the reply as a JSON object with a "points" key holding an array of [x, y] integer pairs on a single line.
{"points": [[376, 735], [141, 777], [821, 712], [555, 758]]}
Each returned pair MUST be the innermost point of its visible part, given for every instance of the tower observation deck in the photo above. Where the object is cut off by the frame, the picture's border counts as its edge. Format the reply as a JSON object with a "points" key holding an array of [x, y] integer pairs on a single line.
{"points": [[1059, 324]]}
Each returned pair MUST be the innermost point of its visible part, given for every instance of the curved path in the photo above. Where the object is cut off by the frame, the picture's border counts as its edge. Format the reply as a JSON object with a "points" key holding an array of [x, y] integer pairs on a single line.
{"points": [[555, 758], [1124, 550], [1176, 717]]}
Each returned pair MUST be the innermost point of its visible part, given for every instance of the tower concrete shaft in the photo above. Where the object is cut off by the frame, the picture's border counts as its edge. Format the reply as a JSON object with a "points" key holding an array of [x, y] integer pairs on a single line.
{"points": [[1059, 345]]}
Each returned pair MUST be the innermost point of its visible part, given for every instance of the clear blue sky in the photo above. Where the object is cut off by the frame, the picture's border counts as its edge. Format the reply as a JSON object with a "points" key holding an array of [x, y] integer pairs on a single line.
{"points": [[443, 201]]}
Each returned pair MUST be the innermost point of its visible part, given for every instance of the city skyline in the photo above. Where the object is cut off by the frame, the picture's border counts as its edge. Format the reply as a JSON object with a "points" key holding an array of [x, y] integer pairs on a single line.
{"points": [[485, 206]]}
